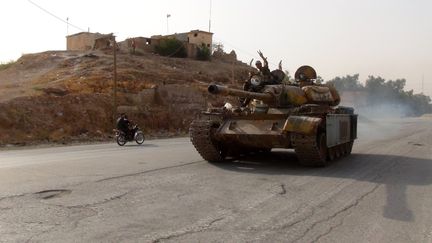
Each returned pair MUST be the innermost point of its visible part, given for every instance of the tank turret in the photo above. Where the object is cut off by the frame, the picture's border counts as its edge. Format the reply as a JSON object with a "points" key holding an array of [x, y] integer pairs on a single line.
{"points": [[282, 95]]}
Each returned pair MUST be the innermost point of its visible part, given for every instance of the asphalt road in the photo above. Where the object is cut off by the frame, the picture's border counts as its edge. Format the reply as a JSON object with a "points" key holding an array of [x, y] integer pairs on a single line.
{"points": [[163, 191]]}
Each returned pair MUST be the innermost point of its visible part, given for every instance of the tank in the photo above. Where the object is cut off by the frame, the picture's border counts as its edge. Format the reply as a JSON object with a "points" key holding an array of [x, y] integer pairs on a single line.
{"points": [[304, 117]]}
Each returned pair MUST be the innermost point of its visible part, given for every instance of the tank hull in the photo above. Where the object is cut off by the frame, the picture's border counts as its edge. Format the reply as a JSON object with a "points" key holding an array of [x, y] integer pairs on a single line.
{"points": [[316, 139]]}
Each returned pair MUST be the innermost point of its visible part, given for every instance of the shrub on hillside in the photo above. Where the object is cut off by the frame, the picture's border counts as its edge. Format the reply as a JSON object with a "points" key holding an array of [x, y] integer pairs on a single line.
{"points": [[203, 53], [171, 48]]}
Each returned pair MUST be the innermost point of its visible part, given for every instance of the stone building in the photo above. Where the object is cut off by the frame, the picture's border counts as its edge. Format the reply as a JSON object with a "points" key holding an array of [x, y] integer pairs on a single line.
{"points": [[192, 40], [196, 37], [142, 44], [85, 41], [82, 41]]}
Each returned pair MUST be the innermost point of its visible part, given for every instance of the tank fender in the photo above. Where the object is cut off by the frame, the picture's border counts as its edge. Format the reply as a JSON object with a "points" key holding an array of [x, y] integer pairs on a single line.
{"points": [[302, 124]]}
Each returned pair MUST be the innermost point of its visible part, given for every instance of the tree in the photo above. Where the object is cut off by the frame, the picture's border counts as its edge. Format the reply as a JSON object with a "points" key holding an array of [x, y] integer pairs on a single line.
{"points": [[347, 83], [218, 47]]}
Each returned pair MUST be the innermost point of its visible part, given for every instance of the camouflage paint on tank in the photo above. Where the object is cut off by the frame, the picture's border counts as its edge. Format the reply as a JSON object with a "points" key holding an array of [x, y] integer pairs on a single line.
{"points": [[302, 124], [318, 94]]}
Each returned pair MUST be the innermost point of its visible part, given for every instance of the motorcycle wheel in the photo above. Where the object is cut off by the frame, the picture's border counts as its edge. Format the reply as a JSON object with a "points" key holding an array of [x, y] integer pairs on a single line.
{"points": [[139, 138], [121, 140]]}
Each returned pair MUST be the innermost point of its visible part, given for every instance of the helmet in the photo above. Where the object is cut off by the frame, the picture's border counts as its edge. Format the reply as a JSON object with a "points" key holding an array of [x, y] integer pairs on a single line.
{"points": [[258, 63]]}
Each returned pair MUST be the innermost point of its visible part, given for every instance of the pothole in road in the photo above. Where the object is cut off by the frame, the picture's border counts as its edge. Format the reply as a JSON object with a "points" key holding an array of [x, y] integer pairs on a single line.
{"points": [[48, 194]]}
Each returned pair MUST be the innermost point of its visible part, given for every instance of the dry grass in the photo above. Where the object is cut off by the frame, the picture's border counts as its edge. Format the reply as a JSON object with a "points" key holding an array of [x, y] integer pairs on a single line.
{"points": [[6, 65]]}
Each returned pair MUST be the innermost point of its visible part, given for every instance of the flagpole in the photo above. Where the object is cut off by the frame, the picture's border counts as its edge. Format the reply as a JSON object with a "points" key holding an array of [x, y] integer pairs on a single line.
{"points": [[168, 15]]}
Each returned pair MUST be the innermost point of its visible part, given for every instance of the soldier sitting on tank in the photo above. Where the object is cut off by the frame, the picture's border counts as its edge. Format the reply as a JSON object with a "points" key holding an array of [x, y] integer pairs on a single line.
{"points": [[273, 77], [263, 70]]}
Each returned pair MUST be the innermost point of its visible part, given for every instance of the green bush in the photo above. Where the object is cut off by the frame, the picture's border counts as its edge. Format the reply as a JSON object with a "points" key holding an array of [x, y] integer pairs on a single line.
{"points": [[171, 48], [203, 53]]}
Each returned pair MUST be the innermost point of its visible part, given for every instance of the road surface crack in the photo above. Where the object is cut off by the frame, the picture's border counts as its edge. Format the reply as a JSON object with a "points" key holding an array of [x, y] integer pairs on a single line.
{"points": [[289, 225], [328, 231], [14, 196], [337, 213], [148, 171], [99, 203], [189, 230]]}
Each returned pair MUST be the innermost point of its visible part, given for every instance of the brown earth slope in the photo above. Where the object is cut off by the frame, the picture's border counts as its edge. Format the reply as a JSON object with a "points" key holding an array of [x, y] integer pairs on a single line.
{"points": [[61, 96]]}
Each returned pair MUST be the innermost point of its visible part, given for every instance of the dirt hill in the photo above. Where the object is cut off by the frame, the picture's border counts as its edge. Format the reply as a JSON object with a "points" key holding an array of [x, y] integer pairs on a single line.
{"points": [[60, 96]]}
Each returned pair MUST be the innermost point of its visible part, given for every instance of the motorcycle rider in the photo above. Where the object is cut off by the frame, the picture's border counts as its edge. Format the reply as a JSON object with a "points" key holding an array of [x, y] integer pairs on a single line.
{"points": [[123, 124]]}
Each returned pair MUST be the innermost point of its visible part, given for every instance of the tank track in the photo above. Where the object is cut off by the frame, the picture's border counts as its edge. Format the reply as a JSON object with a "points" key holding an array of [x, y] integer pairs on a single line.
{"points": [[307, 151], [309, 154], [201, 132], [339, 151]]}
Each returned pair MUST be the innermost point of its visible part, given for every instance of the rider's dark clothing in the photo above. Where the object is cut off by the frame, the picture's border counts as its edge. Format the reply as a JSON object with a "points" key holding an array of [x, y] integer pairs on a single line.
{"points": [[123, 124]]}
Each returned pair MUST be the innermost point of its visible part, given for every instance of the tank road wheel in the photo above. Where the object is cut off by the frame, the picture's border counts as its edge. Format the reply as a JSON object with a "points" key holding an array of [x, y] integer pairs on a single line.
{"points": [[349, 147], [342, 149], [311, 150], [322, 146], [331, 154], [202, 137]]}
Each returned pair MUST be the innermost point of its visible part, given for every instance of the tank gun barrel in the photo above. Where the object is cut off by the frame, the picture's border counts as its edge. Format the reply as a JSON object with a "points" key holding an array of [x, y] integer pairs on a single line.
{"points": [[225, 91]]}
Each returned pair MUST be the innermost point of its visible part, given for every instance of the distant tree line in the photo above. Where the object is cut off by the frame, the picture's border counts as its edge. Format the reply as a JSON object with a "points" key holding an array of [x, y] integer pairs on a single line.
{"points": [[378, 91]]}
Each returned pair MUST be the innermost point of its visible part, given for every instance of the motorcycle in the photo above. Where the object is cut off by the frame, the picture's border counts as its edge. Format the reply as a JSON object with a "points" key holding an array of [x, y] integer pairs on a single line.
{"points": [[135, 135]]}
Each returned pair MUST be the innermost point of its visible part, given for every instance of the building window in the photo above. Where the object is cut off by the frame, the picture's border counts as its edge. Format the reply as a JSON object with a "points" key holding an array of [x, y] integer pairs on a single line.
{"points": [[196, 34], [208, 45]]}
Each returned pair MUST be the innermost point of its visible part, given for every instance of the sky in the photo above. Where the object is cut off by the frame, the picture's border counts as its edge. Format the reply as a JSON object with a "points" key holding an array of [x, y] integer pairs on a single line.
{"points": [[387, 38]]}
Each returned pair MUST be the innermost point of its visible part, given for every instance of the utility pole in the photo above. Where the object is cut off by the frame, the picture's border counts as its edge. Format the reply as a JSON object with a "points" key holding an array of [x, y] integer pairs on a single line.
{"points": [[232, 72], [422, 83], [210, 15], [67, 26], [114, 44]]}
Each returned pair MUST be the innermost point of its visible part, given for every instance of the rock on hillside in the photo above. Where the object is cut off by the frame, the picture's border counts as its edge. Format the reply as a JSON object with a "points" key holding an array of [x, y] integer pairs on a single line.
{"points": [[61, 96]]}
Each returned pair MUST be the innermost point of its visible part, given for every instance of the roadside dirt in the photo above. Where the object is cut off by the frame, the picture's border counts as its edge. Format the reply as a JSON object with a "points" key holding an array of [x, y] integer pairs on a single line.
{"points": [[61, 96]]}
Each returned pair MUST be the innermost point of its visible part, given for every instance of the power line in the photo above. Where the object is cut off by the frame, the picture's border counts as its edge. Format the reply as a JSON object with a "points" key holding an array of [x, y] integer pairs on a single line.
{"points": [[55, 16]]}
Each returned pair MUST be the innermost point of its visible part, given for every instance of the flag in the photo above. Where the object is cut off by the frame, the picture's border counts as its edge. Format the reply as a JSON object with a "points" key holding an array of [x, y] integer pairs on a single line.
{"points": [[168, 15]]}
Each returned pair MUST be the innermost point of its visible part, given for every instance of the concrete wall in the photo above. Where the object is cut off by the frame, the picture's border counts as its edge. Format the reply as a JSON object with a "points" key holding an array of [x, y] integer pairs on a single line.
{"points": [[102, 43], [142, 44], [191, 50], [81, 41], [181, 37], [200, 37]]}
